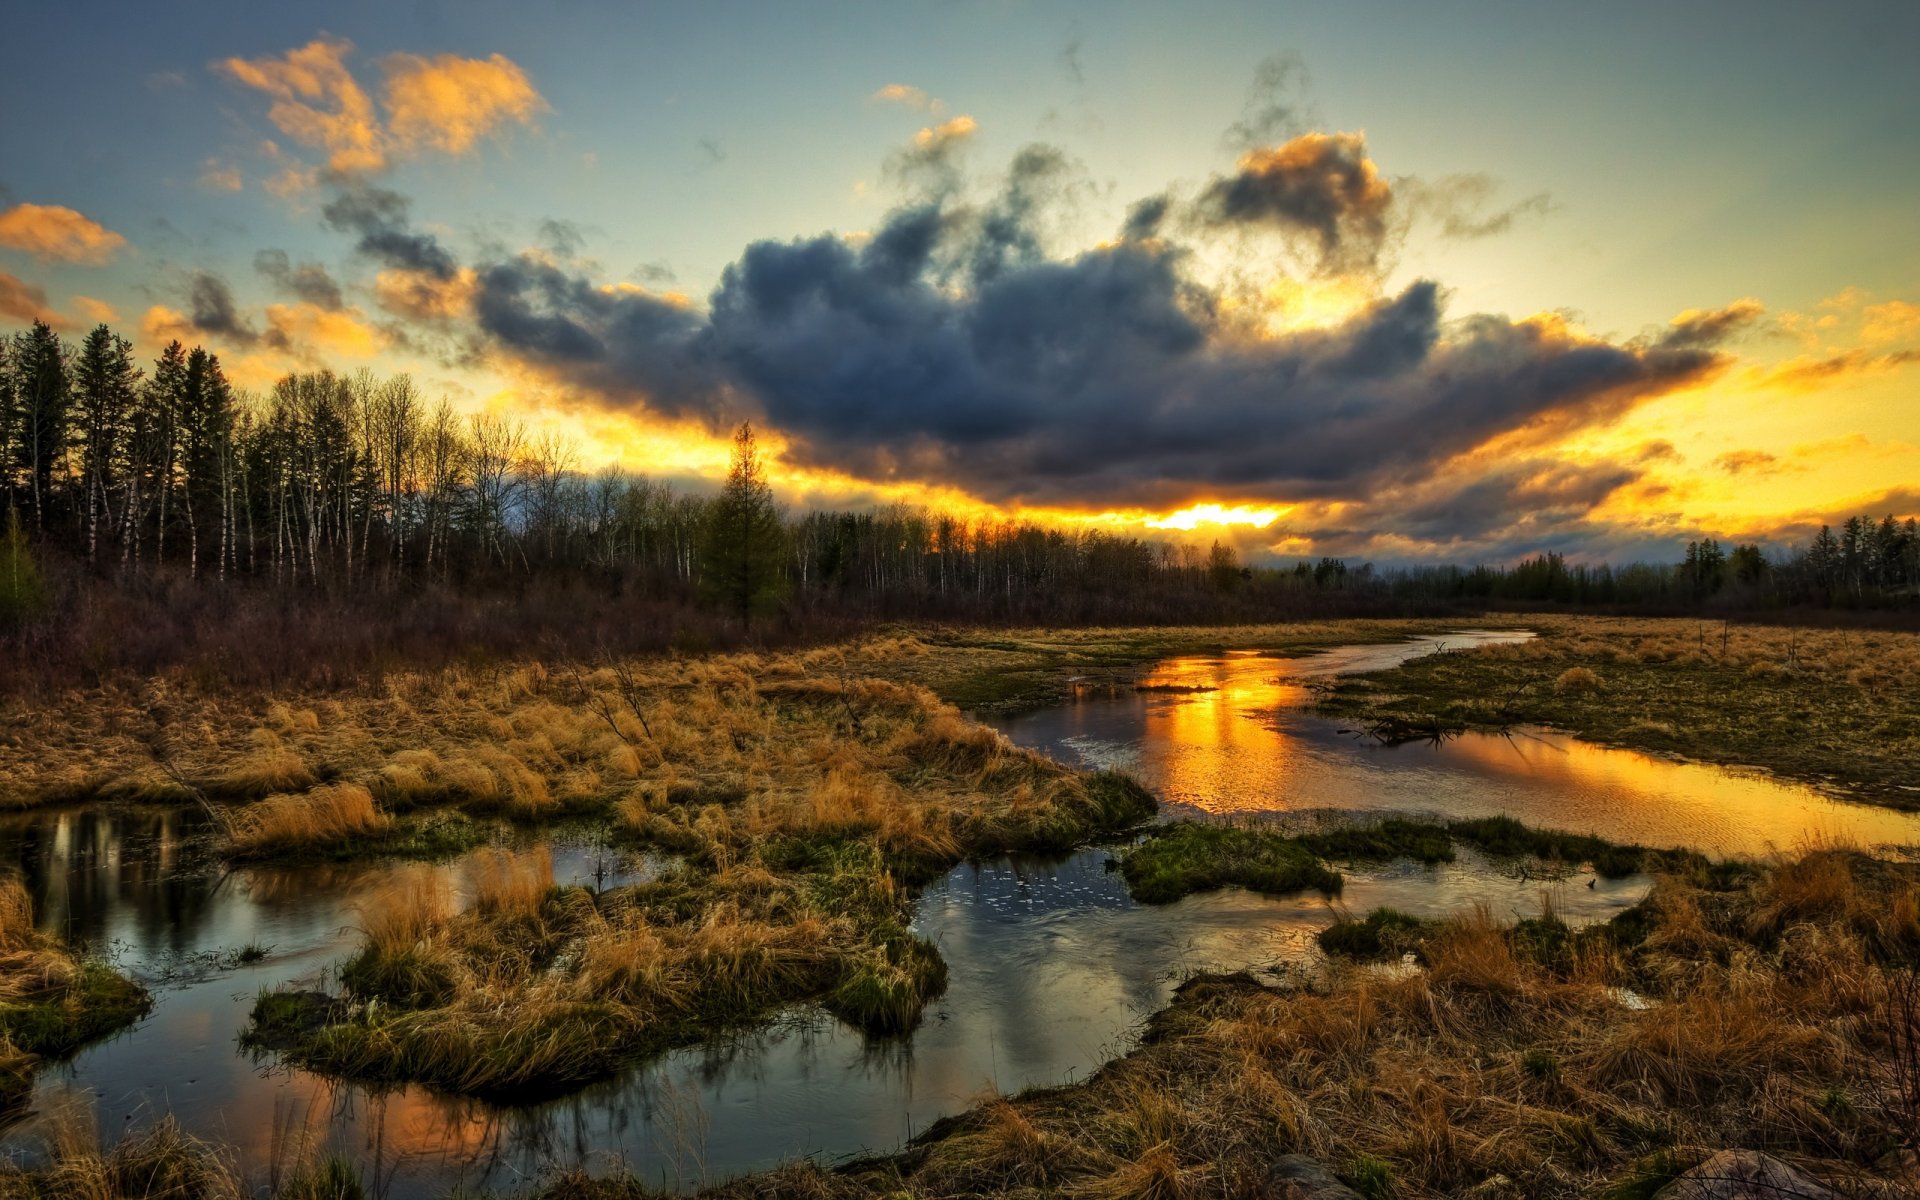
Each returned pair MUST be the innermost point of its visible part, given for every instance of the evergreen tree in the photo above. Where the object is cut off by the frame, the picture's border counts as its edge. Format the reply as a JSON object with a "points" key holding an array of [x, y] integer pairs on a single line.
{"points": [[742, 550], [206, 429], [105, 387], [41, 395]]}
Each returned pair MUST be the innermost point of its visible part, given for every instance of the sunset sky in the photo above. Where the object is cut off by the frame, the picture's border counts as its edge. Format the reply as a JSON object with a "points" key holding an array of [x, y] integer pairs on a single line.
{"points": [[1408, 283]]}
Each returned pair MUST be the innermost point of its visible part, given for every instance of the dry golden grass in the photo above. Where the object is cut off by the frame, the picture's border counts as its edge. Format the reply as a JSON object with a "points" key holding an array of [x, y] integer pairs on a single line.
{"points": [[51, 1002], [804, 808], [1823, 705], [534, 740], [1498, 1070], [159, 1162], [329, 815]]}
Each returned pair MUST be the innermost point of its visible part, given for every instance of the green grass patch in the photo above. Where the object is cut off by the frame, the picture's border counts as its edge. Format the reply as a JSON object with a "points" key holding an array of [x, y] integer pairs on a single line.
{"points": [[1384, 933], [1186, 857], [97, 1001]]}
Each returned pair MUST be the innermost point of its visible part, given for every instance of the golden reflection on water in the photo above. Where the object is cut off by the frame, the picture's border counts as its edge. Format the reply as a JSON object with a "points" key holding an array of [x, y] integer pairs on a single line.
{"points": [[1232, 734]]}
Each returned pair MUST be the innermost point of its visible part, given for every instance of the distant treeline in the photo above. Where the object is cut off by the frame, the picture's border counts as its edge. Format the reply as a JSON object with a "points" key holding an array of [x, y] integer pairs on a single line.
{"points": [[157, 513]]}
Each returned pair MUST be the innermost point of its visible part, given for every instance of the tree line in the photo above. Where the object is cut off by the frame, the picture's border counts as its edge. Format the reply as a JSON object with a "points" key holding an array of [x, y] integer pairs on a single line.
{"points": [[329, 483]]}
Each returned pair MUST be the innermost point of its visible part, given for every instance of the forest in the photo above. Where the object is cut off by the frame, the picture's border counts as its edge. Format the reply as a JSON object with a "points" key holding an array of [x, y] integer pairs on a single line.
{"points": [[158, 498]]}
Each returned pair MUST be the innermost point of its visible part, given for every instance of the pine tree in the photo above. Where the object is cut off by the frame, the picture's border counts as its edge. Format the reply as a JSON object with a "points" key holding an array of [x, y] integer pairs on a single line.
{"points": [[206, 430], [41, 395], [742, 551], [105, 387]]}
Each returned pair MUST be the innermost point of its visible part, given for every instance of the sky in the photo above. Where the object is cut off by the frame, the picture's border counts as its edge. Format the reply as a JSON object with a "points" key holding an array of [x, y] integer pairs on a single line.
{"points": [[1460, 282]]}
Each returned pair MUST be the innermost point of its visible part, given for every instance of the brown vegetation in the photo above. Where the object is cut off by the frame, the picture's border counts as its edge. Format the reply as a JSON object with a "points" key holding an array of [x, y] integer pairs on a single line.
{"points": [[51, 1002], [1823, 705], [1513, 1065], [804, 809]]}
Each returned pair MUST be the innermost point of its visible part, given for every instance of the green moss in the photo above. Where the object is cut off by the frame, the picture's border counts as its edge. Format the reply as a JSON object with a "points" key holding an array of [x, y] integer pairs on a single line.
{"points": [[1371, 1177], [1384, 933], [97, 1001], [1185, 857], [1505, 837], [1395, 837], [887, 994]]}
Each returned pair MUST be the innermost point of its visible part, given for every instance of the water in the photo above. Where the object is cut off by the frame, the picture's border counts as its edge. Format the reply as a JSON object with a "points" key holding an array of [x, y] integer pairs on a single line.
{"points": [[1052, 967], [1244, 744]]}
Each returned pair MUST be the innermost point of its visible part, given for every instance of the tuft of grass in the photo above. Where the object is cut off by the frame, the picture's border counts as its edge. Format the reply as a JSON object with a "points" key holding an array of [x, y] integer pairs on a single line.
{"points": [[1577, 679], [1188, 856], [51, 1002], [1385, 933], [1370, 1176], [328, 816]]}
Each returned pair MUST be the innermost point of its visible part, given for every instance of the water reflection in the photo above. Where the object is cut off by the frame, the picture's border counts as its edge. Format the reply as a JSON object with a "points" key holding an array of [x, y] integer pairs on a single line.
{"points": [[1243, 743], [1052, 967]]}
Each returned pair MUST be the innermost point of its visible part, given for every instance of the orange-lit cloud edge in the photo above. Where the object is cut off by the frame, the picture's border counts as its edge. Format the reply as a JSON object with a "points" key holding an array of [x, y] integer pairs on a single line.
{"points": [[1736, 454]]}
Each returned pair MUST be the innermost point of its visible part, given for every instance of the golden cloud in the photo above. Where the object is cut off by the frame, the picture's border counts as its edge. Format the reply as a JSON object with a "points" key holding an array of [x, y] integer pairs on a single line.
{"points": [[217, 176], [314, 332], [26, 303], [449, 102], [51, 232], [947, 132], [96, 311], [1808, 373], [317, 102], [424, 296], [160, 325], [907, 96], [445, 102], [1894, 321]]}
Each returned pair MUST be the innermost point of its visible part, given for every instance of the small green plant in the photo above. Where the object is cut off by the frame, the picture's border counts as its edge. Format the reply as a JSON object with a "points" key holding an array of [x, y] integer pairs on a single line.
{"points": [[1371, 1177], [23, 592]]}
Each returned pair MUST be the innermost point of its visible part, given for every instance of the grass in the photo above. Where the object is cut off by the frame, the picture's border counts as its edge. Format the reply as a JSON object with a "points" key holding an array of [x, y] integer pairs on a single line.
{"points": [[1184, 857], [804, 809], [1823, 706], [156, 1161], [1384, 933], [529, 740], [52, 1002], [1492, 1071]]}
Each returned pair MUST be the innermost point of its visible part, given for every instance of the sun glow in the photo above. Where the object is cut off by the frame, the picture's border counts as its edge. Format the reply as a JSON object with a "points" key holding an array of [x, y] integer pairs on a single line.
{"points": [[1188, 519]]}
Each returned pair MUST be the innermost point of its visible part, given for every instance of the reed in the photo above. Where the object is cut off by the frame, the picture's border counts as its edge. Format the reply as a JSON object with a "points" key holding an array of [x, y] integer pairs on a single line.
{"points": [[331, 815]]}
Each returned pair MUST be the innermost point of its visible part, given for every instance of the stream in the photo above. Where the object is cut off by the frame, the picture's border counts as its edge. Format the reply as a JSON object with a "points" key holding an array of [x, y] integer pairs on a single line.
{"points": [[1052, 967]]}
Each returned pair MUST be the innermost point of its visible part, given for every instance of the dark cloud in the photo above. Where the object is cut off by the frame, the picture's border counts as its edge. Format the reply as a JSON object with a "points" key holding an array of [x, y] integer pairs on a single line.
{"points": [[1319, 185], [630, 345], [1105, 379], [1466, 206], [1523, 500], [212, 311], [1276, 108], [562, 237], [379, 218], [1070, 64], [951, 346], [308, 281], [1009, 232], [1705, 328], [1144, 218], [1744, 462]]}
